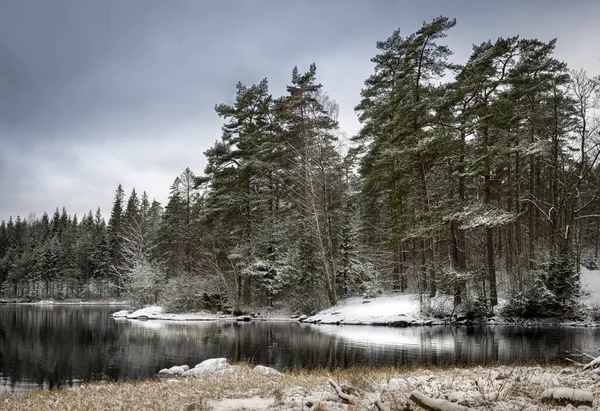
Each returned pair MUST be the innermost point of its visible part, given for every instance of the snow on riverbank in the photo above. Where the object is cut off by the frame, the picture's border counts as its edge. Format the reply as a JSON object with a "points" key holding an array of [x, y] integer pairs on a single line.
{"points": [[400, 310], [590, 285], [158, 313], [392, 310], [496, 388]]}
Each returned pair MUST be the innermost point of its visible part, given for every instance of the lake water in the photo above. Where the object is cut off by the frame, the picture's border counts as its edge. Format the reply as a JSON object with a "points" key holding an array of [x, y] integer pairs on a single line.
{"points": [[49, 346]]}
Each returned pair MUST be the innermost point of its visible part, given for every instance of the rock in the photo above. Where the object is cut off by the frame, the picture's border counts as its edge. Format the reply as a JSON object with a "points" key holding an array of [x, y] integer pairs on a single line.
{"points": [[121, 314], [565, 395], [208, 366], [302, 318], [243, 318], [366, 302], [261, 369], [146, 313], [177, 370], [211, 362], [294, 316]]}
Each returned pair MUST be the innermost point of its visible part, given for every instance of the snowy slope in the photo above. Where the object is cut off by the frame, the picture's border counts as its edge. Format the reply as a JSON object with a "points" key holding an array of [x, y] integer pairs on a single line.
{"points": [[401, 309]]}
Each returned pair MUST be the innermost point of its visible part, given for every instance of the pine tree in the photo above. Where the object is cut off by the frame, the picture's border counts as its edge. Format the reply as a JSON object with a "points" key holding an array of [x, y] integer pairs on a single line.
{"points": [[115, 231]]}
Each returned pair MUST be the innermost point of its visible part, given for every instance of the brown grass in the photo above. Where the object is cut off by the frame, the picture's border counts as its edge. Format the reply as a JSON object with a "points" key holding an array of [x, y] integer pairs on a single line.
{"points": [[201, 393]]}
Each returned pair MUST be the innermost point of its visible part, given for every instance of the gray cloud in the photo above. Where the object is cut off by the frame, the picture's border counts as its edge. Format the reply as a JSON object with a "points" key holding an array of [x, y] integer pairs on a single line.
{"points": [[93, 93]]}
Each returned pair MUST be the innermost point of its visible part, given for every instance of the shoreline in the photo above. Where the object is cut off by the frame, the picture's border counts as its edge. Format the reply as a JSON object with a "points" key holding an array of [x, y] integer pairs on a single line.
{"points": [[352, 315], [325, 317], [14, 301], [241, 387]]}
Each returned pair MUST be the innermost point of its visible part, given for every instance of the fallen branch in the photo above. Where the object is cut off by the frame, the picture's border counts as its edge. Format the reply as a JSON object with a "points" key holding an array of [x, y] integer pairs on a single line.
{"points": [[432, 404], [592, 364], [380, 406], [575, 362], [347, 398], [591, 357]]}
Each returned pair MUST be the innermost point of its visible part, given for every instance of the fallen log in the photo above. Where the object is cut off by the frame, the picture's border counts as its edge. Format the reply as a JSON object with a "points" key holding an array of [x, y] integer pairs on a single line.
{"points": [[432, 404], [565, 395], [347, 398]]}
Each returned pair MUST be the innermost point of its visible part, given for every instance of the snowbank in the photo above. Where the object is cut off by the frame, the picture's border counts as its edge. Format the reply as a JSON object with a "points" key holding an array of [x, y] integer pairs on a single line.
{"points": [[158, 313], [590, 285], [398, 310]]}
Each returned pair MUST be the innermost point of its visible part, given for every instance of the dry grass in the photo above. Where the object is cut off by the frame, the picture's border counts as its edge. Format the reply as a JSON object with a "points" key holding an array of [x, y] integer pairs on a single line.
{"points": [[486, 388]]}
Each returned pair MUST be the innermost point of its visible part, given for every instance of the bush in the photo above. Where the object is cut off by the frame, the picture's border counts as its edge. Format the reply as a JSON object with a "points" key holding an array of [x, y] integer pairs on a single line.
{"points": [[189, 293], [143, 282]]}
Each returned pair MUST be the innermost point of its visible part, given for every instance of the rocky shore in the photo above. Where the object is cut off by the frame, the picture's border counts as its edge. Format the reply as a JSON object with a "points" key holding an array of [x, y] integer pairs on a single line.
{"points": [[219, 386]]}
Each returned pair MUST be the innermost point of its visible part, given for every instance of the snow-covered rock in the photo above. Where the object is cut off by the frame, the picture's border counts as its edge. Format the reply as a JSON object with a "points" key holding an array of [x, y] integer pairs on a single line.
{"points": [[212, 363], [175, 370], [261, 369], [148, 313], [121, 314], [207, 366]]}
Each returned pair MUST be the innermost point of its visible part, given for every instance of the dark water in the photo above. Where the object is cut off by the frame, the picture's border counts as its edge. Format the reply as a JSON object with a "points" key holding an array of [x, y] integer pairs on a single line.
{"points": [[49, 346]]}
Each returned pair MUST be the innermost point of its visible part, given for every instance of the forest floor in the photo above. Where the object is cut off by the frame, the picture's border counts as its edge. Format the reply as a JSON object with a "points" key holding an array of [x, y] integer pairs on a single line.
{"points": [[239, 387]]}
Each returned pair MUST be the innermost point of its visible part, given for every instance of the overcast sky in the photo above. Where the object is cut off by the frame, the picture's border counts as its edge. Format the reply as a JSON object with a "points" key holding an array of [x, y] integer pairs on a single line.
{"points": [[101, 92]]}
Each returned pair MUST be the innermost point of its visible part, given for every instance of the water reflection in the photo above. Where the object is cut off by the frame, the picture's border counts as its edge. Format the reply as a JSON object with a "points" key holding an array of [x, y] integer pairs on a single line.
{"points": [[48, 346]]}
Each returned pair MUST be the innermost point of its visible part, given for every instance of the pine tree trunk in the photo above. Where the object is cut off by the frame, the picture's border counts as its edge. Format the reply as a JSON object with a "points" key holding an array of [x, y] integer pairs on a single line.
{"points": [[532, 191], [489, 235]]}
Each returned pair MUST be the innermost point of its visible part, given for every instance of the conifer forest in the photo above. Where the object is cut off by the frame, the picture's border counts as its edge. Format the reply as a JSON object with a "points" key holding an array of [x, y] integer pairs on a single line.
{"points": [[476, 179]]}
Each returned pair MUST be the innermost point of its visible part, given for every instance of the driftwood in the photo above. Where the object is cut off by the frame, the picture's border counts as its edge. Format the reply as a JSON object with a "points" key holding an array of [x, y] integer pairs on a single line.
{"points": [[352, 399], [432, 404], [347, 398], [595, 363], [565, 395]]}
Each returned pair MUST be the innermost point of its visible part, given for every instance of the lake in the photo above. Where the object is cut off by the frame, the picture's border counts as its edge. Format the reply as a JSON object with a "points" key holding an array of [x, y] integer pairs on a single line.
{"points": [[54, 345]]}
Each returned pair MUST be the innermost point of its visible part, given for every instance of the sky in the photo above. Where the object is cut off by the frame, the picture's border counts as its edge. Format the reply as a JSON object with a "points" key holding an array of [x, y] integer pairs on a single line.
{"points": [[96, 93]]}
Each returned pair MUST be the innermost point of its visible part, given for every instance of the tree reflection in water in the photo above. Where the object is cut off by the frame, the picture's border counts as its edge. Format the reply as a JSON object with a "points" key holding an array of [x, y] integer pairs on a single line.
{"points": [[49, 346]]}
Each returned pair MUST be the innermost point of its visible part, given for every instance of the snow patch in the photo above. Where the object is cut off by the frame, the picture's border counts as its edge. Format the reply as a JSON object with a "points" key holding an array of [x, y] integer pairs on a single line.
{"points": [[230, 404], [402, 309]]}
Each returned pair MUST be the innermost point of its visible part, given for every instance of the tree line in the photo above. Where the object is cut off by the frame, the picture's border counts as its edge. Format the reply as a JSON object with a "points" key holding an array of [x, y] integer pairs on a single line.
{"points": [[469, 180]]}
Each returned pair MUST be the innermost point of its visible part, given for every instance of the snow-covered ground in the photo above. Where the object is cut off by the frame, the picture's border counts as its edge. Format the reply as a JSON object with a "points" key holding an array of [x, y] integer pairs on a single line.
{"points": [[590, 285], [219, 386], [158, 313], [401, 309], [395, 310]]}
